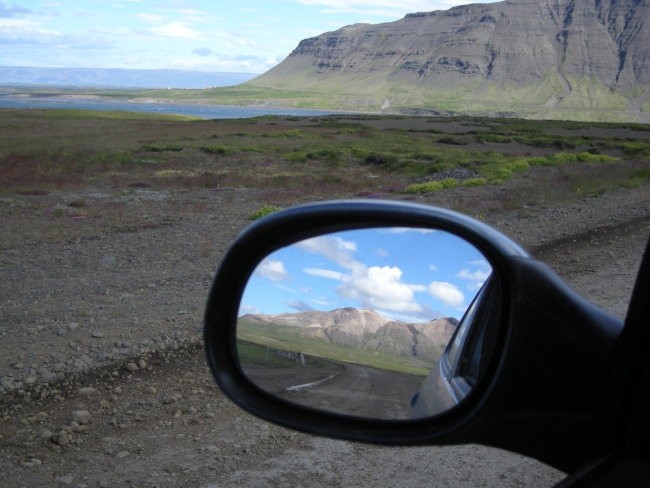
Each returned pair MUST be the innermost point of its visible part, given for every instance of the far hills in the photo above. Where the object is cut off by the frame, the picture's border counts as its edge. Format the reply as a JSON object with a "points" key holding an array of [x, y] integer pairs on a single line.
{"points": [[117, 78], [361, 330], [571, 59]]}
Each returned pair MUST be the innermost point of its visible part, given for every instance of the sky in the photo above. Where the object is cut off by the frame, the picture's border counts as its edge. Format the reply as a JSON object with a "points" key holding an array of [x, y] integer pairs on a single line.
{"points": [[211, 35], [413, 275]]}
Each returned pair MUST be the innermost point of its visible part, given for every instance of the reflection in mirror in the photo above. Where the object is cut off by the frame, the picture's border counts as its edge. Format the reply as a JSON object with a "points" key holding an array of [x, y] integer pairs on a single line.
{"points": [[353, 322]]}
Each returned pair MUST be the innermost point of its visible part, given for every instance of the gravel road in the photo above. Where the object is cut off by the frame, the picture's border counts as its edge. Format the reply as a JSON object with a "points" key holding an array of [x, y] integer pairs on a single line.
{"points": [[102, 380], [349, 388]]}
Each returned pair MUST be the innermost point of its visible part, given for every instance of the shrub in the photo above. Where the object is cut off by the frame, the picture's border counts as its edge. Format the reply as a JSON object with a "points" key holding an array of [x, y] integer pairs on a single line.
{"points": [[328, 154], [217, 149], [636, 148], [263, 211], [638, 178], [388, 161], [499, 138], [294, 133], [455, 140], [432, 186], [162, 148], [499, 171], [475, 182], [297, 157]]}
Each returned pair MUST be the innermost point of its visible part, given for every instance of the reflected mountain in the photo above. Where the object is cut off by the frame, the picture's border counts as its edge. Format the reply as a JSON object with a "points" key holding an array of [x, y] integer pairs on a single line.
{"points": [[364, 330]]}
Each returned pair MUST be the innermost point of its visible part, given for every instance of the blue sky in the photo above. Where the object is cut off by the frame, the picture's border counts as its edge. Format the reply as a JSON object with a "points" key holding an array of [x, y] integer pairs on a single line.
{"points": [[215, 35], [405, 274]]}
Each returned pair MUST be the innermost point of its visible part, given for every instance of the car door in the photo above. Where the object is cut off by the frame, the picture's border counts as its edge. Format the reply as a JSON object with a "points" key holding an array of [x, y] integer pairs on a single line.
{"points": [[464, 358]]}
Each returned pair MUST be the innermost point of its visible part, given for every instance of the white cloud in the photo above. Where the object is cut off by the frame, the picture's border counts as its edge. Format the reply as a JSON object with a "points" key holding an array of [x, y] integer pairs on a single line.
{"points": [[477, 276], [324, 273], [382, 253], [237, 41], [246, 308], [286, 289], [333, 248], [381, 288], [272, 270], [447, 293], [322, 302], [375, 287], [406, 230], [207, 60], [382, 8], [151, 18], [176, 29], [13, 11], [22, 31]]}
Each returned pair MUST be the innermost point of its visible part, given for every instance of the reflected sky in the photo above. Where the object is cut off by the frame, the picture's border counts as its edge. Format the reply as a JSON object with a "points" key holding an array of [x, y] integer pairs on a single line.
{"points": [[414, 275]]}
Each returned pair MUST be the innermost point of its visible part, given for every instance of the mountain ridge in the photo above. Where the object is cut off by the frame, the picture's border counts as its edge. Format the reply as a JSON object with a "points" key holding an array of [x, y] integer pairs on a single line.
{"points": [[521, 56], [365, 329]]}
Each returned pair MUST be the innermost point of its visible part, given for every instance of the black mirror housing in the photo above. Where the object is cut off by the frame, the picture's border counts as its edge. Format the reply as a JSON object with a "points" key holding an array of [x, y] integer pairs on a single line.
{"points": [[541, 320]]}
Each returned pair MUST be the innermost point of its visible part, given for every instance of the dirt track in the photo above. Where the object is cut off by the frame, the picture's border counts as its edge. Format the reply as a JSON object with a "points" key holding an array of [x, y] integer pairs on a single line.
{"points": [[349, 388], [102, 380]]}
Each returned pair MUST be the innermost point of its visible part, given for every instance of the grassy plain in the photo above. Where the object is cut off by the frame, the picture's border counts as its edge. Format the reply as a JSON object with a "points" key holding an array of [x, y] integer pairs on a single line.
{"points": [[286, 339], [293, 158]]}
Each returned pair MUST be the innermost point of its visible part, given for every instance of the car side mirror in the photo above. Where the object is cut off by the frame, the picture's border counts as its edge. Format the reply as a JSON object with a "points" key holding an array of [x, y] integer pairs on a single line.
{"points": [[354, 322], [403, 324]]}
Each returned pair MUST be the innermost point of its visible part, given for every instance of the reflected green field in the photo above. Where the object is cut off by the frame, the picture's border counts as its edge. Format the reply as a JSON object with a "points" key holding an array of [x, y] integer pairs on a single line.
{"points": [[285, 339]]}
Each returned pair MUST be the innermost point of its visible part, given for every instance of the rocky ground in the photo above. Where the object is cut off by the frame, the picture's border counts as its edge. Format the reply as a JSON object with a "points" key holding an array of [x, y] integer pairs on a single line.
{"points": [[102, 379]]}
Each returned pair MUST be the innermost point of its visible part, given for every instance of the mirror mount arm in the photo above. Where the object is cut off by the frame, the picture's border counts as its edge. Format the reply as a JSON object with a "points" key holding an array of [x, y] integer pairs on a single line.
{"points": [[569, 398]]}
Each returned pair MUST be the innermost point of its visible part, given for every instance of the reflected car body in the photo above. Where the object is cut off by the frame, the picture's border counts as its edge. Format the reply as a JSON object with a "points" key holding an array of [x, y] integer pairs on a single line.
{"points": [[464, 358]]}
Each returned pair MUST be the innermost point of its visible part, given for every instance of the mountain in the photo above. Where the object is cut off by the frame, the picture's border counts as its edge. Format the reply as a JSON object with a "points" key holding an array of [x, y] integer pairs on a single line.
{"points": [[579, 58], [117, 78], [364, 329]]}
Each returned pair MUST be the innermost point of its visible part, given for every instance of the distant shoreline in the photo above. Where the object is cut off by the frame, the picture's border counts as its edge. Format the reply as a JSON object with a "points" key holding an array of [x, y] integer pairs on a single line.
{"points": [[194, 108]]}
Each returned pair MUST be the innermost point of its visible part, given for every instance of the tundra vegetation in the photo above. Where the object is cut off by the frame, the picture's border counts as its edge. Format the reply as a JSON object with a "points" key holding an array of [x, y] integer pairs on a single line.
{"points": [[294, 158], [113, 224]]}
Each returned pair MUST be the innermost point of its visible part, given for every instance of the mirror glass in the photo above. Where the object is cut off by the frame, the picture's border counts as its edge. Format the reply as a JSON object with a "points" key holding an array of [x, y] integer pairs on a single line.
{"points": [[356, 322]]}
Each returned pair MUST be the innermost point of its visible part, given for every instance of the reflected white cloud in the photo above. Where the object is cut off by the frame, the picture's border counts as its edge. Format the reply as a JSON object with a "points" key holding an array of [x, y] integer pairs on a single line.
{"points": [[333, 248], [324, 273], [406, 230], [374, 287], [477, 276], [381, 288], [447, 293], [272, 270], [346, 270]]}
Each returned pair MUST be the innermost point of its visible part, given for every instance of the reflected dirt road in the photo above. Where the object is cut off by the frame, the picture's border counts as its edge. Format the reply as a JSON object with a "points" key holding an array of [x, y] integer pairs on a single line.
{"points": [[341, 387]]}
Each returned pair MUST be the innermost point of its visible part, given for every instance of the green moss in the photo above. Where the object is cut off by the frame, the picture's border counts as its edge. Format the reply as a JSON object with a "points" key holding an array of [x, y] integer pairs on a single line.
{"points": [[638, 178], [499, 171], [294, 133], [567, 158], [636, 148], [432, 186], [263, 211]]}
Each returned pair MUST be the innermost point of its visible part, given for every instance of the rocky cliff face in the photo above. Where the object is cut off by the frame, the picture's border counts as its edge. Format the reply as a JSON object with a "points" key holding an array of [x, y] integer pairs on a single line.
{"points": [[540, 51]]}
